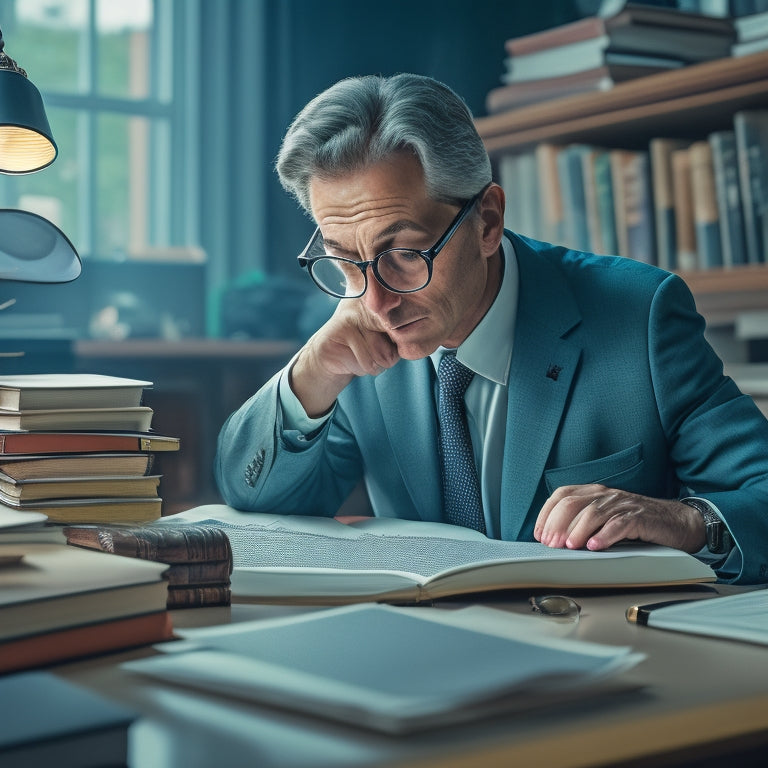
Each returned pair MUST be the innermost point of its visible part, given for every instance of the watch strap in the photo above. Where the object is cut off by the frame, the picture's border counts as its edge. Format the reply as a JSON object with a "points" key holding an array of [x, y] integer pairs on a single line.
{"points": [[719, 539]]}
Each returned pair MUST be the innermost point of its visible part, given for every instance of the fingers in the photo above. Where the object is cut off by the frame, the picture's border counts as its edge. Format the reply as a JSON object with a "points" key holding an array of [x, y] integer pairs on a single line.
{"points": [[597, 517], [566, 515]]}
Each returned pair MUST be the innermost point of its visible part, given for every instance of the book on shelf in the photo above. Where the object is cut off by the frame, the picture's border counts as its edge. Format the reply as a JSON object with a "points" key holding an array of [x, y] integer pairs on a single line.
{"points": [[751, 130], [297, 559], [751, 34], [48, 442], [515, 94], [550, 194], [48, 720], [384, 668], [199, 558], [633, 204], [518, 174], [43, 466], [600, 200], [706, 215], [661, 150], [56, 589], [44, 489], [727, 189], [570, 169], [40, 391], [638, 34], [115, 509], [685, 227], [133, 419]]}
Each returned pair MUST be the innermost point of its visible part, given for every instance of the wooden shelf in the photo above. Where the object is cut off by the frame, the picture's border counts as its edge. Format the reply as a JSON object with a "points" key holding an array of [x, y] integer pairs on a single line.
{"points": [[721, 294], [692, 102], [689, 103]]}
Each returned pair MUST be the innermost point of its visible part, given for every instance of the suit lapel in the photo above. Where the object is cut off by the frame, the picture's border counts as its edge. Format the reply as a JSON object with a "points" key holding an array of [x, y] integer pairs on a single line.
{"points": [[544, 366], [408, 410]]}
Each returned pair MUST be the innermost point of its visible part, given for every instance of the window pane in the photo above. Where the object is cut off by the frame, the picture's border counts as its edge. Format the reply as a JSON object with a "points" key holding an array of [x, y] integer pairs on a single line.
{"points": [[124, 47], [49, 39], [124, 187]]}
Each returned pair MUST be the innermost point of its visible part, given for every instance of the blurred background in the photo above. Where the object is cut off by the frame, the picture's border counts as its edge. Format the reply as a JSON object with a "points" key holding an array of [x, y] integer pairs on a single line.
{"points": [[168, 115]]}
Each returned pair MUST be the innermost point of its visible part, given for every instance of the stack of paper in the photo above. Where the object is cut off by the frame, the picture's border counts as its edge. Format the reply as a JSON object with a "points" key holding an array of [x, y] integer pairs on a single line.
{"points": [[389, 669]]}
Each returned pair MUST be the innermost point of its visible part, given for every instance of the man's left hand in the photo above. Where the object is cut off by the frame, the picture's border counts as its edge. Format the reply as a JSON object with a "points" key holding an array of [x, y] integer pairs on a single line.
{"points": [[595, 517]]}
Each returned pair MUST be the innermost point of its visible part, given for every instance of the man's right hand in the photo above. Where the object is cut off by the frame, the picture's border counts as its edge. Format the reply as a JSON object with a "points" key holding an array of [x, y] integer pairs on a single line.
{"points": [[352, 343]]}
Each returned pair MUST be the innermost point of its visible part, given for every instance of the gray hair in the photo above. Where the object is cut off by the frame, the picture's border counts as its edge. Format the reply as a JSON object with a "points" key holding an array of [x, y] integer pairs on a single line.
{"points": [[362, 120]]}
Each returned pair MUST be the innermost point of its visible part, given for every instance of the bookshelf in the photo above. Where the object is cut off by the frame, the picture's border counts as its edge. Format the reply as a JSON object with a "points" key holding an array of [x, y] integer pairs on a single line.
{"points": [[687, 103]]}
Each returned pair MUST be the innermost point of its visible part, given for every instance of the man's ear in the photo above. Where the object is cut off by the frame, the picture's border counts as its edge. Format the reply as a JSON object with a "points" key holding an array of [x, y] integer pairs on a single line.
{"points": [[491, 210]]}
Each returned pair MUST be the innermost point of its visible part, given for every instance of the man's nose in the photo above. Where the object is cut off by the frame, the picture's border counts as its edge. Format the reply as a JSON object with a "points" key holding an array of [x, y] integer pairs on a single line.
{"points": [[377, 298]]}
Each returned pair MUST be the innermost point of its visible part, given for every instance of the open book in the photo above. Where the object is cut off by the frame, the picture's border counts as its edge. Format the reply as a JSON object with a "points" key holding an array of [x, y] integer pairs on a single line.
{"points": [[279, 558]]}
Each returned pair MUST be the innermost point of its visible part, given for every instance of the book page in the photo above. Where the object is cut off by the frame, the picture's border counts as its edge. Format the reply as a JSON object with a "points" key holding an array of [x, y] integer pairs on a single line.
{"points": [[386, 554]]}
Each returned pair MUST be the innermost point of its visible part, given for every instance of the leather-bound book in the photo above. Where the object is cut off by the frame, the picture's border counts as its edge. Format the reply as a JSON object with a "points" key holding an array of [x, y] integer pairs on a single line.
{"points": [[199, 557]]}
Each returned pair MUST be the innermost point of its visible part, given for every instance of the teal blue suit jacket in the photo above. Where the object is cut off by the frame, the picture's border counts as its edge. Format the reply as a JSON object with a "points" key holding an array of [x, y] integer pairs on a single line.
{"points": [[611, 382]]}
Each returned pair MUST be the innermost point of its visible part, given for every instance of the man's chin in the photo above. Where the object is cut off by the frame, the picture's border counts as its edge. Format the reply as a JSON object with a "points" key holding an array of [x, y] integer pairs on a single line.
{"points": [[415, 351]]}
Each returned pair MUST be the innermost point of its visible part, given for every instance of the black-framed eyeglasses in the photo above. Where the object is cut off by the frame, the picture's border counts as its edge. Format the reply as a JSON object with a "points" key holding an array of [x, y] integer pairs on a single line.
{"points": [[400, 270]]}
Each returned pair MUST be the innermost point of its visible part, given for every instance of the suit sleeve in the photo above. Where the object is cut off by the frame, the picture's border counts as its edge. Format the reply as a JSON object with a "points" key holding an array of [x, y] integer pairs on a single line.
{"points": [[262, 466], [718, 437]]}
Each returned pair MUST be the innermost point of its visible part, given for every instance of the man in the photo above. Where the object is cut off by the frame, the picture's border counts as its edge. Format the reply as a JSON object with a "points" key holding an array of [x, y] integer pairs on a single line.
{"points": [[597, 411]]}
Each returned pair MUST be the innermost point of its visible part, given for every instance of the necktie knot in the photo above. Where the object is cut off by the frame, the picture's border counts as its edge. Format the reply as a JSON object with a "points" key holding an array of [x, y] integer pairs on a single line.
{"points": [[454, 377]]}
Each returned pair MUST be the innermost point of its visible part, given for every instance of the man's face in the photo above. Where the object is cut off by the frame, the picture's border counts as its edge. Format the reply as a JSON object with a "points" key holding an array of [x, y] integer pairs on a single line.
{"points": [[386, 206]]}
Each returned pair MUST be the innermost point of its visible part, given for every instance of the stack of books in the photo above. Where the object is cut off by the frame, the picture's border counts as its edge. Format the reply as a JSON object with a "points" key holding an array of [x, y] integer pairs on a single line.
{"points": [[78, 448], [59, 603], [752, 30], [199, 558], [628, 41]]}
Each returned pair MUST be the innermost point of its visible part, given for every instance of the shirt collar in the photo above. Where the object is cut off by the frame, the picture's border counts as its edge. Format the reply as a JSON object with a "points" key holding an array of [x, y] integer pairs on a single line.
{"points": [[488, 349]]}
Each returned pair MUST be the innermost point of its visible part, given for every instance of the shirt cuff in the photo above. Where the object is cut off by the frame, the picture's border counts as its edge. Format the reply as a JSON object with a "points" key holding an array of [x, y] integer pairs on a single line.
{"points": [[294, 416]]}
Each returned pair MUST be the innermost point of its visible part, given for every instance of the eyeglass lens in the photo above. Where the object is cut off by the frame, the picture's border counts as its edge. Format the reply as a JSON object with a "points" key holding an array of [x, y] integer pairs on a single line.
{"points": [[399, 269], [557, 606]]}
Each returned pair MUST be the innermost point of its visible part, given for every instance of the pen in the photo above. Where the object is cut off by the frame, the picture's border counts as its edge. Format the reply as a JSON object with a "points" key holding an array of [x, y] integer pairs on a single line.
{"points": [[639, 614]]}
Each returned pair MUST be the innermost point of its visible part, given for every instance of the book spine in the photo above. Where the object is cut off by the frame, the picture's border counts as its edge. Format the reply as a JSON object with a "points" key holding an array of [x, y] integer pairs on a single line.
{"points": [[570, 173], [216, 572], [663, 199], [198, 597], [604, 195], [550, 197], [639, 216], [705, 211], [751, 129], [685, 229], [725, 166], [165, 544]]}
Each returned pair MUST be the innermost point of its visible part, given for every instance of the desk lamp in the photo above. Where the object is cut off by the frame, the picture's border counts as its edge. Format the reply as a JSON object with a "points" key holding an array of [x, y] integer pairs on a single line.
{"points": [[32, 249], [26, 141]]}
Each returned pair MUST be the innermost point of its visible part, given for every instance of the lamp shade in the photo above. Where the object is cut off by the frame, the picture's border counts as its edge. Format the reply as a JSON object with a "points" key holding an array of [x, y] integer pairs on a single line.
{"points": [[33, 250], [26, 141]]}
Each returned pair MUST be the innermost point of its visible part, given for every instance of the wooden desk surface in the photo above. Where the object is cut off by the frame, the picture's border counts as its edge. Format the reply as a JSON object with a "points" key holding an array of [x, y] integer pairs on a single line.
{"points": [[702, 700]]}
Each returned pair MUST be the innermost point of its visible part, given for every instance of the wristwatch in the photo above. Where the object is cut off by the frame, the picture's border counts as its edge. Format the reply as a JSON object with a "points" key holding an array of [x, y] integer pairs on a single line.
{"points": [[719, 539]]}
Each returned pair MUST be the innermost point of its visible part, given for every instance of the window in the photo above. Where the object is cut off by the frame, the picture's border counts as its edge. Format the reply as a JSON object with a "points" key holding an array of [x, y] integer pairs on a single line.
{"points": [[119, 187]]}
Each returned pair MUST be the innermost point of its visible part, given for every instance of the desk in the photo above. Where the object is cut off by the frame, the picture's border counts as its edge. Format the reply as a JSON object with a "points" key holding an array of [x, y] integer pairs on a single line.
{"points": [[705, 701]]}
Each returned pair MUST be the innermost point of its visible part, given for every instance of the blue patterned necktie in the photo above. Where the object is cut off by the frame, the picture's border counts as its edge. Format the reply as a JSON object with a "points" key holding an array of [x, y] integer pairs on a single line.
{"points": [[461, 488]]}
